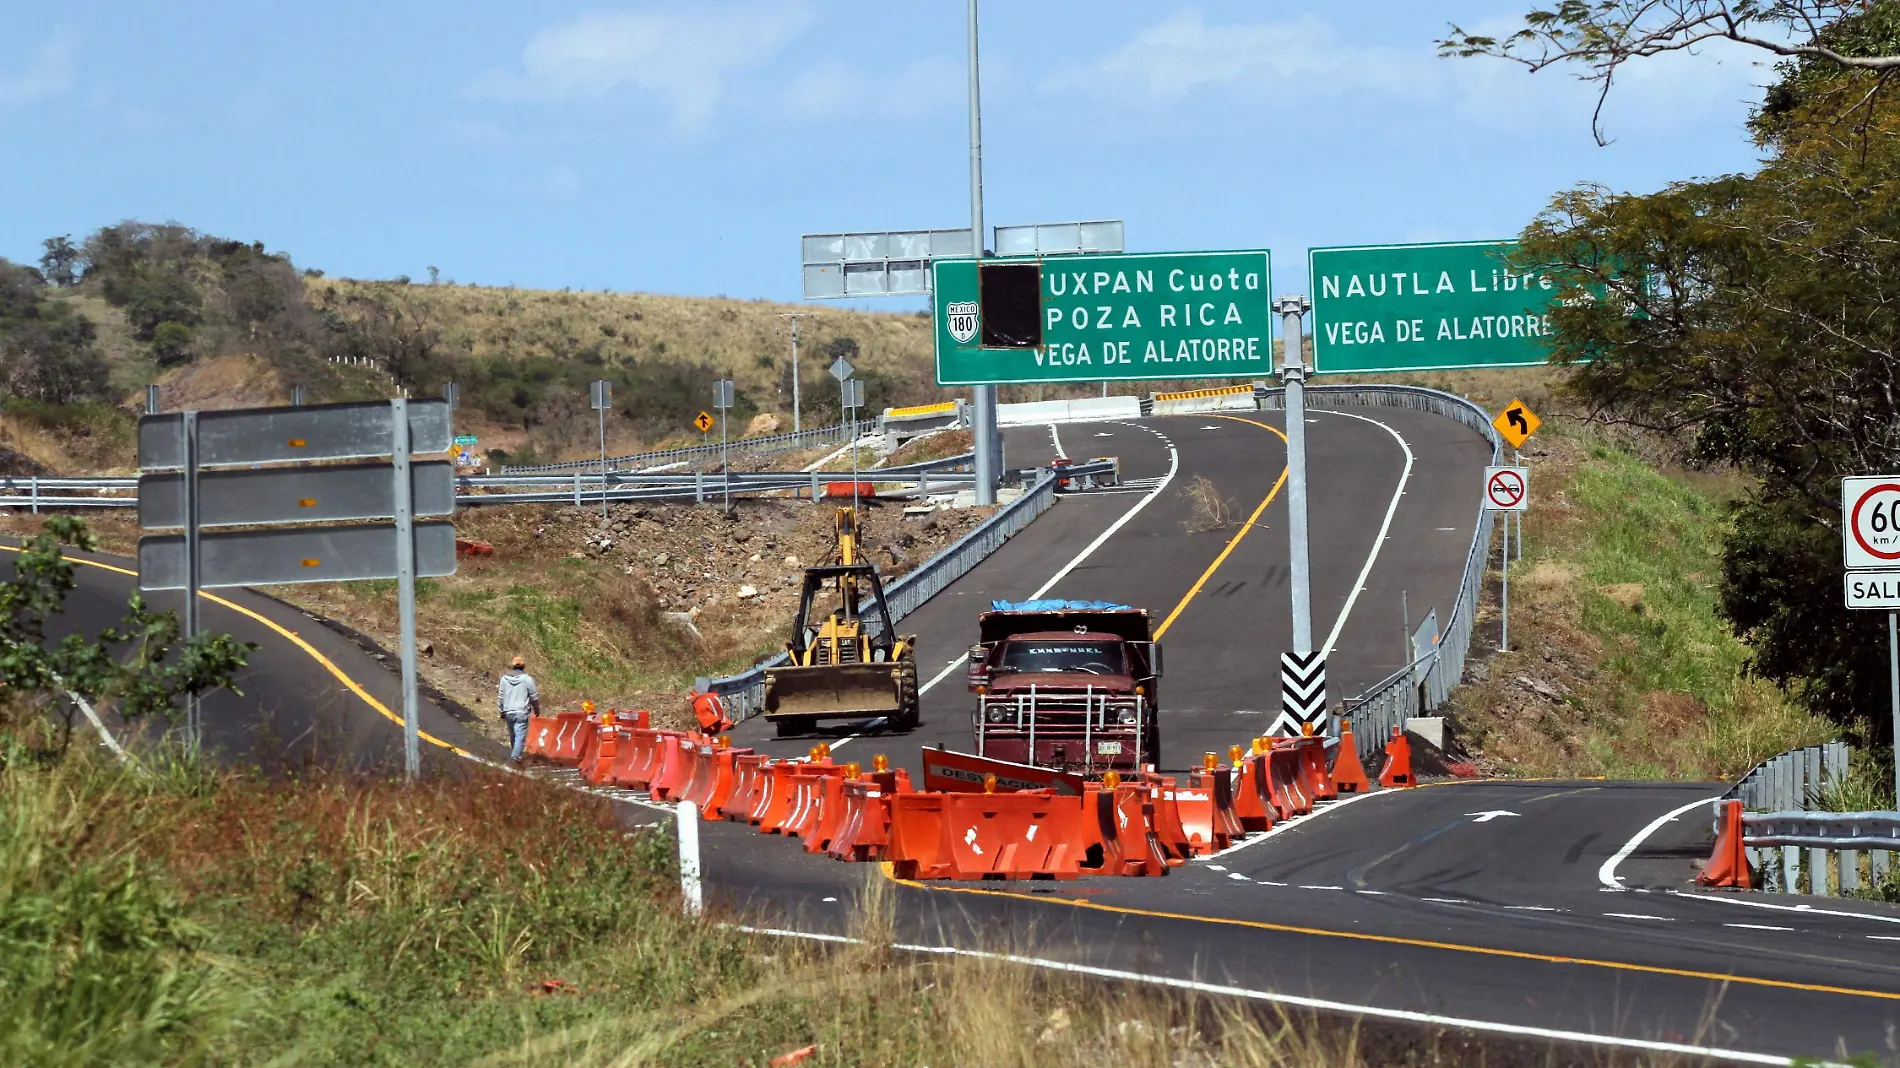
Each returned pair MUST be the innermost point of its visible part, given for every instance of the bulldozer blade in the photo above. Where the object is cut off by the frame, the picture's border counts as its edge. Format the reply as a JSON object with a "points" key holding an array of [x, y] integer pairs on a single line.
{"points": [[832, 690]]}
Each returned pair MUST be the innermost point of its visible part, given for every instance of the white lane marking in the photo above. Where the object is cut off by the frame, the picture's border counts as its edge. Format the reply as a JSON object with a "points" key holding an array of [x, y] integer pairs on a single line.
{"points": [[1530, 908], [1055, 439], [1447, 901], [1359, 583], [1758, 926], [1322, 888], [1640, 916], [1316, 1004], [1607, 873], [1217, 867], [1237, 875], [1297, 821], [1174, 465], [1374, 893], [1487, 817], [1269, 882], [1746, 903], [1885, 938], [828, 900], [100, 726]]}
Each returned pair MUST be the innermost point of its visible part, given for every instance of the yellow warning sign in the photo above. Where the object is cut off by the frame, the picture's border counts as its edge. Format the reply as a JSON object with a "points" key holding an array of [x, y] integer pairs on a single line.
{"points": [[1517, 423], [703, 421]]}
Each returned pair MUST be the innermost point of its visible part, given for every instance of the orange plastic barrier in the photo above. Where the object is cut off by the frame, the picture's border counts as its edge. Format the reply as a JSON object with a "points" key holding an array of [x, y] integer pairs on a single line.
{"points": [[599, 758], [1398, 761], [1729, 864], [1316, 781], [725, 781], [1253, 800], [749, 776], [1220, 790], [699, 787], [865, 490], [919, 845], [1168, 828], [1201, 818], [1349, 775], [556, 738], [1125, 820], [678, 757], [774, 798], [1283, 783], [864, 822], [828, 794], [710, 711]]}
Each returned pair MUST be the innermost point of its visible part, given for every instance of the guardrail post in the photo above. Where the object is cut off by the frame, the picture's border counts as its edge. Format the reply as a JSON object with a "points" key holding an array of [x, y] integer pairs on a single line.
{"points": [[699, 487], [36, 494]]}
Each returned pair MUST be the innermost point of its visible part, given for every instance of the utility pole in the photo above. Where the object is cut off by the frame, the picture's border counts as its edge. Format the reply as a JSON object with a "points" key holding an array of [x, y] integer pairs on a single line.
{"points": [[985, 428], [1293, 373], [797, 425]]}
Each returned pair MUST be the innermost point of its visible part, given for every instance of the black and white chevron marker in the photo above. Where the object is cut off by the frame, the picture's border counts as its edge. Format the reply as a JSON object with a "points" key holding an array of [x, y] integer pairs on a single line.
{"points": [[1302, 694]]}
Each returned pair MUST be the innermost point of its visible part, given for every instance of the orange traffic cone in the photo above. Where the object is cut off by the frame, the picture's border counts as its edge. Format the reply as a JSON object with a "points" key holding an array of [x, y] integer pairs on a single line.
{"points": [[1349, 775], [1729, 865], [1398, 761]]}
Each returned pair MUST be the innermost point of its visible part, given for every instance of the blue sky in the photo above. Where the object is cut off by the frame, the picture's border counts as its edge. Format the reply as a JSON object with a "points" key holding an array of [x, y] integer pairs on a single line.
{"points": [[683, 147]]}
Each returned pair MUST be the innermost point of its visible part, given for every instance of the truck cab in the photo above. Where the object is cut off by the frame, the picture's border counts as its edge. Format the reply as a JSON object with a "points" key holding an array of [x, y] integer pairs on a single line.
{"points": [[1068, 685]]}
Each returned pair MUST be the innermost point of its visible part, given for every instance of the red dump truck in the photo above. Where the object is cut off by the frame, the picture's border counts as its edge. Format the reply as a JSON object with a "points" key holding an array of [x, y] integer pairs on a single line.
{"points": [[1073, 685]]}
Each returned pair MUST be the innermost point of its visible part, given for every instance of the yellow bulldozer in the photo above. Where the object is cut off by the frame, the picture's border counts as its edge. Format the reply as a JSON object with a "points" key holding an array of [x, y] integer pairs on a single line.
{"points": [[845, 661]]}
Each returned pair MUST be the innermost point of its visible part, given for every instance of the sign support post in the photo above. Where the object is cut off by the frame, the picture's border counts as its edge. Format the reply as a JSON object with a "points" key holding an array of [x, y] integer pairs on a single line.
{"points": [[722, 400], [1507, 490], [1893, 675], [406, 585], [985, 421], [188, 426], [1504, 590], [1293, 372]]}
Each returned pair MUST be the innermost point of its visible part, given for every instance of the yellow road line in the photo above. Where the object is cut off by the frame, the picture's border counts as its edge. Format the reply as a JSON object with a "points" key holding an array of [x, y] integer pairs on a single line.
{"points": [[294, 639], [1422, 943], [1231, 542]]}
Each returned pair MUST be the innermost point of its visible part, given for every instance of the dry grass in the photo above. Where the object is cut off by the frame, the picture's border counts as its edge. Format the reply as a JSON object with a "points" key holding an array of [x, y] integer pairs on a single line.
{"points": [[1211, 510], [1621, 664]]}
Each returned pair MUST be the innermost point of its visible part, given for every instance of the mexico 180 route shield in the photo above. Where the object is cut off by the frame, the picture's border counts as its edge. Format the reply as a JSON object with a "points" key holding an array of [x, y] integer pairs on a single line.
{"points": [[1122, 316]]}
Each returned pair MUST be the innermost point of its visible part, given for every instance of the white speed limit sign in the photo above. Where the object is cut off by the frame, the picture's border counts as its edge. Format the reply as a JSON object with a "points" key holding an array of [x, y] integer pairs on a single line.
{"points": [[1870, 521]]}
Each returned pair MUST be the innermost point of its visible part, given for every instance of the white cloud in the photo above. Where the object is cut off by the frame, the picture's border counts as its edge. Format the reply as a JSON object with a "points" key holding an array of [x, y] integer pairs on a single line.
{"points": [[832, 89], [1183, 55], [47, 74], [562, 182], [683, 55], [1304, 60]]}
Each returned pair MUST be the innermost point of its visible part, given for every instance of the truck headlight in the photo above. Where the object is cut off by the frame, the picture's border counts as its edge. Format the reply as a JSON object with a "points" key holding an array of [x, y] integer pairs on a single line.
{"points": [[1127, 715], [996, 715]]}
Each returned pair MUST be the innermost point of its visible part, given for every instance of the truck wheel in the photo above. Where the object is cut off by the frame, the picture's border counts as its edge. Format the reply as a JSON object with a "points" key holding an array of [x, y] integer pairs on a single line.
{"points": [[907, 701], [792, 728]]}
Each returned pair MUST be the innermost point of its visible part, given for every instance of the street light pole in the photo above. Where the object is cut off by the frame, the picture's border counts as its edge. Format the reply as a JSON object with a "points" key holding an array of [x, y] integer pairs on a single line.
{"points": [[1293, 374], [985, 429], [797, 424]]}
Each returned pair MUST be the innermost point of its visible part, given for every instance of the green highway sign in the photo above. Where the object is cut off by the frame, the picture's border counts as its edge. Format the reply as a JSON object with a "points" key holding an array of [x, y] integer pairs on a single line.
{"points": [[1091, 318], [1426, 307], [465, 439]]}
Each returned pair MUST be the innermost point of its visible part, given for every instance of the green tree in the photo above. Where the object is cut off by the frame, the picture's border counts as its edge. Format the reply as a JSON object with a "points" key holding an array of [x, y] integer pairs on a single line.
{"points": [[138, 669], [1598, 37], [48, 352], [171, 344], [1758, 316], [62, 261]]}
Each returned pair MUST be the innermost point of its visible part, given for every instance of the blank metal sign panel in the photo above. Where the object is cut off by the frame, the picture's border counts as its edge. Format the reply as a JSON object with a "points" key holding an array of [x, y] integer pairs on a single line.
{"points": [[312, 554], [274, 435], [296, 495]]}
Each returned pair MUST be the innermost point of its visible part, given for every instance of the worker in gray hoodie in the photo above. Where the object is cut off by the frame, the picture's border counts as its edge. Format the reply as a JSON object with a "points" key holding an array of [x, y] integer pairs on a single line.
{"points": [[518, 698]]}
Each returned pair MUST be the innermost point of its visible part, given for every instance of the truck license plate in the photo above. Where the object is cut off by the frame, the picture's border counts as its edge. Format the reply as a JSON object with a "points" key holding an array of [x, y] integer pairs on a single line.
{"points": [[1108, 748]]}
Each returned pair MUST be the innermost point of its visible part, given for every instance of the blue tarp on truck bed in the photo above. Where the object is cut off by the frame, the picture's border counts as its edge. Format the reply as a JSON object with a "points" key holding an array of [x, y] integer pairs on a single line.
{"points": [[1058, 605]]}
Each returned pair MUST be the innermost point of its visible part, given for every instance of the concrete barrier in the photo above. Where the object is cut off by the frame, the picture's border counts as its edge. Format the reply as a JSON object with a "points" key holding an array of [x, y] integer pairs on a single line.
{"points": [[1086, 410], [1225, 399]]}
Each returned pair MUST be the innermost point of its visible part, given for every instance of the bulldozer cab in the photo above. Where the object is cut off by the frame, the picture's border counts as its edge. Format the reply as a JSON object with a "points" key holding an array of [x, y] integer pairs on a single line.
{"points": [[831, 627]]}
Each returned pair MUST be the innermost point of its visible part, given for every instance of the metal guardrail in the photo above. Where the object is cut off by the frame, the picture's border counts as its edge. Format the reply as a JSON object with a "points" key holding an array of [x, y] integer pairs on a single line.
{"points": [[1426, 684], [1843, 835], [579, 487], [786, 442], [744, 693], [1791, 781]]}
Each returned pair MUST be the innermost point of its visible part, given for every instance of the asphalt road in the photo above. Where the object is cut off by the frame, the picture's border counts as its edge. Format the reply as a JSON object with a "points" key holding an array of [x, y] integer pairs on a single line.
{"points": [[1223, 627], [1474, 903]]}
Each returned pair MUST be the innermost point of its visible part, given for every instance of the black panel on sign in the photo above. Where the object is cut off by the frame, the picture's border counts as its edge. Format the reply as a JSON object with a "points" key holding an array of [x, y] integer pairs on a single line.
{"points": [[1011, 305]]}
